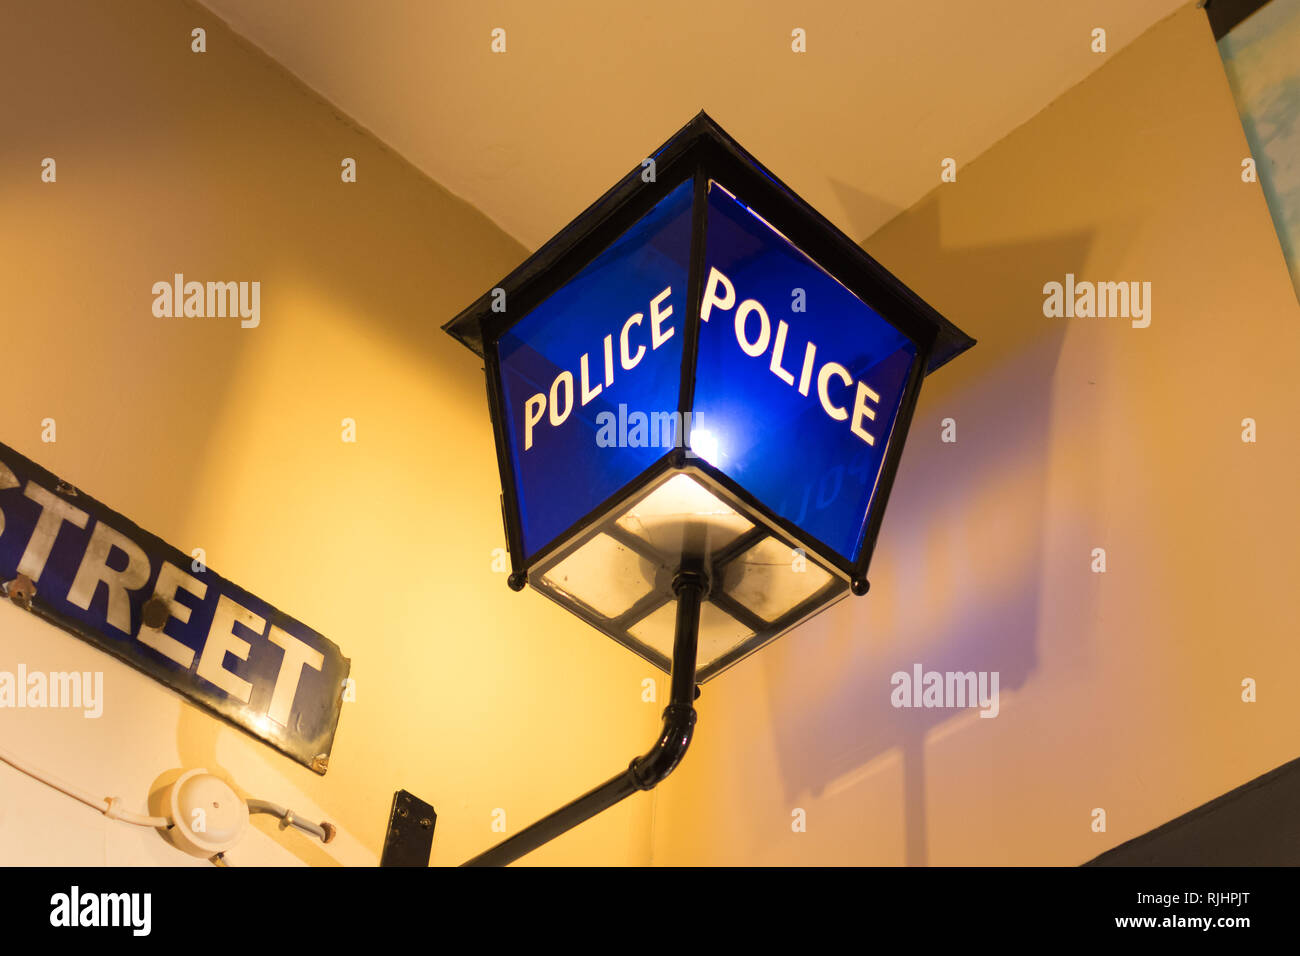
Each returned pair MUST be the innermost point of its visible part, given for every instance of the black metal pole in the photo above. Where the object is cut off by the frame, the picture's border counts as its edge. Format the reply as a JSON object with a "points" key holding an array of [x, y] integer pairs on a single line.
{"points": [[646, 771]]}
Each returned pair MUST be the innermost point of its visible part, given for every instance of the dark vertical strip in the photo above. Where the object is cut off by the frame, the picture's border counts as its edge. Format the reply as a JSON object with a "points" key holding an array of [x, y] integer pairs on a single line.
{"points": [[694, 295], [1226, 14]]}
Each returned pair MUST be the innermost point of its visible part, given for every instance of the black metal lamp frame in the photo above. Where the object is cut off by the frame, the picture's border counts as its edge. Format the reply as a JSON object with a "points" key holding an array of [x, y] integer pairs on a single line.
{"points": [[700, 152], [620, 628]]}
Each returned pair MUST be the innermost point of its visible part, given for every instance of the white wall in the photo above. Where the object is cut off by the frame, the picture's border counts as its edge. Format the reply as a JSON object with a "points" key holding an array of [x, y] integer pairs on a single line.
{"points": [[145, 737]]}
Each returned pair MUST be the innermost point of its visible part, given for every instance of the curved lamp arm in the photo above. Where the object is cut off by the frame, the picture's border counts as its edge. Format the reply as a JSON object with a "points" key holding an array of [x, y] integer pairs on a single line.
{"points": [[646, 771]]}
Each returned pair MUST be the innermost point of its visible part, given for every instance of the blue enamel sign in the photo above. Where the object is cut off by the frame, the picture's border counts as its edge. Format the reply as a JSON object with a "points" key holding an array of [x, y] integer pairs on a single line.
{"points": [[87, 569], [798, 381], [590, 373]]}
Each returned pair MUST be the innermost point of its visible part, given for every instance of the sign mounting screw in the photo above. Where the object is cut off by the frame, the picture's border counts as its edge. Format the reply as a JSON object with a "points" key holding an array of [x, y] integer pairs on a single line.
{"points": [[156, 612], [21, 590]]}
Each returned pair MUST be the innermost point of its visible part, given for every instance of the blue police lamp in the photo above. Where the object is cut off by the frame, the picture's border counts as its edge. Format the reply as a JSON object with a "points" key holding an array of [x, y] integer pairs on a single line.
{"points": [[700, 391]]}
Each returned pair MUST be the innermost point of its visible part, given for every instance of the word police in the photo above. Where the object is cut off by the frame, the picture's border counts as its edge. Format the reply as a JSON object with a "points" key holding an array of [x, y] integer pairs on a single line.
{"points": [[835, 385]]}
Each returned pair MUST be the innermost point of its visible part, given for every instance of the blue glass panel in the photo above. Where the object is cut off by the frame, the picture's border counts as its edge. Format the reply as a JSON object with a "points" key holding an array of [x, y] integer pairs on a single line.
{"points": [[575, 440], [798, 381]]}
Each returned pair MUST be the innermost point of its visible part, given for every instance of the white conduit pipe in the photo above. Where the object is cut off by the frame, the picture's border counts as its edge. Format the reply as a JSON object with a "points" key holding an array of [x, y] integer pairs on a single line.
{"points": [[111, 807], [321, 831]]}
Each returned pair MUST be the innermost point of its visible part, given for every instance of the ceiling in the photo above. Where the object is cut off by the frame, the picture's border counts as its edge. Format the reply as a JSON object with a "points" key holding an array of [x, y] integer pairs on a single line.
{"points": [[857, 125]]}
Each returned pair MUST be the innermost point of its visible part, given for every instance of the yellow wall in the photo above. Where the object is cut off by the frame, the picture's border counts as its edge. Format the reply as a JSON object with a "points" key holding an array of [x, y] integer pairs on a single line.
{"points": [[1119, 690], [221, 166]]}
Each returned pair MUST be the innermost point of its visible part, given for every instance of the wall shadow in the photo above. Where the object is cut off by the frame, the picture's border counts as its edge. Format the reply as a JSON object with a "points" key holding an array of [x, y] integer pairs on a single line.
{"points": [[957, 576]]}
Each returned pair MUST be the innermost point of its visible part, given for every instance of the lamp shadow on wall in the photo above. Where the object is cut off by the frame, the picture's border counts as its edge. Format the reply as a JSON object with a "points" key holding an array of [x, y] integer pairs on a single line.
{"points": [[958, 574]]}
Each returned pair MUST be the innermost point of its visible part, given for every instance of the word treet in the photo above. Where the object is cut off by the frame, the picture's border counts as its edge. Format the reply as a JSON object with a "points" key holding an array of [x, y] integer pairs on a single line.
{"points": [[94, 573]]}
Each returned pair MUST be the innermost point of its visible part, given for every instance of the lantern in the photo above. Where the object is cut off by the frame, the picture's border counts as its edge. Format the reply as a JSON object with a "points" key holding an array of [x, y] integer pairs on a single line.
{"points": [[700, 391]]}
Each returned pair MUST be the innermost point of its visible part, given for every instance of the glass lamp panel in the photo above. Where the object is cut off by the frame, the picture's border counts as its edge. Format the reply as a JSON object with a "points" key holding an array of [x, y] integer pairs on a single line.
{"points": [[798, 381], [719, 632], [605, 575], [619, 576], [771, 579], [683, 518], [590, 378]]}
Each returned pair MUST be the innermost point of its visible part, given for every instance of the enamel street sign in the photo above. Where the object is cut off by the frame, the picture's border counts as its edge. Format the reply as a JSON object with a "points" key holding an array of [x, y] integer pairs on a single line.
{"points": [[85, 568]]}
